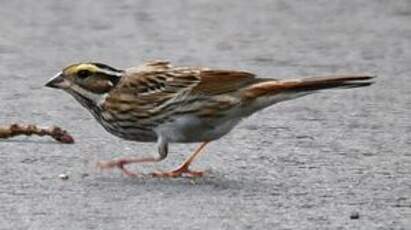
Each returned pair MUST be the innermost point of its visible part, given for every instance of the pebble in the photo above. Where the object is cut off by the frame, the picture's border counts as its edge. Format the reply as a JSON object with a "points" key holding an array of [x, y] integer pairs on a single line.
{"points": [[63, 176], [355, 215], [84, 175]]}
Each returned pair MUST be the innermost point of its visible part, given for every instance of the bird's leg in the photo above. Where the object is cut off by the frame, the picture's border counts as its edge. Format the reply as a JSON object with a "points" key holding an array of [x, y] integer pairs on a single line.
{"points": [[184, 167], [122, 161]]}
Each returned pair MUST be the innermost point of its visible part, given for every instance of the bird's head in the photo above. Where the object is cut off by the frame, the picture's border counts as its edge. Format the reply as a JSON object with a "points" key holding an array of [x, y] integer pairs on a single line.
{"points": [[88, 80]]}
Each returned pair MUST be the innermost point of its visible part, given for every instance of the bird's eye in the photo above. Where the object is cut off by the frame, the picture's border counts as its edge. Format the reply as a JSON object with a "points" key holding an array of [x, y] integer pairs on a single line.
{"points": [[82, 74]]}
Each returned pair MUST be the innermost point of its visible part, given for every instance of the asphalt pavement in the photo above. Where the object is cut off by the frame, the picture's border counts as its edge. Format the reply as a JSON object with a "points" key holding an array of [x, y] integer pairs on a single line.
{"points": [[334, 160]]}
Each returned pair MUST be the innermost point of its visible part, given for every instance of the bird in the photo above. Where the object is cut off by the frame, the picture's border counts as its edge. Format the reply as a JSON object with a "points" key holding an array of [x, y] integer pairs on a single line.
{"points": [[161, 103]]}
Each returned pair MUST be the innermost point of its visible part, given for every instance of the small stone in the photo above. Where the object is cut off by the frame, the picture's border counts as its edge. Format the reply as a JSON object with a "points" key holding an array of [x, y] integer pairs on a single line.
{"points": [[63, 176], [355, 215], [84, 175]]}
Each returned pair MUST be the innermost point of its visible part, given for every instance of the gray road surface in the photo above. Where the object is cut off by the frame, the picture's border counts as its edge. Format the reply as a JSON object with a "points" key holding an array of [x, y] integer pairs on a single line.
{"points": [[303, 164]]}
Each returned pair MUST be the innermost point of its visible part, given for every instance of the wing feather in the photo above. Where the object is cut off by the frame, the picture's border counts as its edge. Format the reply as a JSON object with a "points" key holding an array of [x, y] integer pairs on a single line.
{"points": [[160, 77], [155, 89], [214, 82]]}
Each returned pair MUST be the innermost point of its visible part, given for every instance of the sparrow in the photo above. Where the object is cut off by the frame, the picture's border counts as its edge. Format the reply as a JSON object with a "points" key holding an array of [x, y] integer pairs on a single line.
{"points": [[157, 102]]}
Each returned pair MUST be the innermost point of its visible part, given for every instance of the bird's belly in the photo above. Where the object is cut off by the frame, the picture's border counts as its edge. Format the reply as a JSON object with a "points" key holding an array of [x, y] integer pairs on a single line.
{"points": [[194, 129]]}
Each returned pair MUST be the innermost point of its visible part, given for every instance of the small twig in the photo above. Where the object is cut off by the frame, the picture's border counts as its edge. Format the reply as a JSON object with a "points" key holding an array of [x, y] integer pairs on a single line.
{"points": [[55, 132]]}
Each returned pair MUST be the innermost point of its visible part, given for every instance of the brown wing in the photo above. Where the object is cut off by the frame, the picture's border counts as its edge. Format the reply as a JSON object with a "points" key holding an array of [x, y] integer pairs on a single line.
{"points": [[158, 86], [214, 82], [160, 77]]}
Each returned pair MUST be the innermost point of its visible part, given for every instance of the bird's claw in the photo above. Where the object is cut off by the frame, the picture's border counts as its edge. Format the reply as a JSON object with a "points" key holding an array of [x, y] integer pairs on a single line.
{"points": [[178, 173]]}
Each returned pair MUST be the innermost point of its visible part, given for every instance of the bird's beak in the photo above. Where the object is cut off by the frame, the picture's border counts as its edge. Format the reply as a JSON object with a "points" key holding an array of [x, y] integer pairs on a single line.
{"points": [[58, 82]]}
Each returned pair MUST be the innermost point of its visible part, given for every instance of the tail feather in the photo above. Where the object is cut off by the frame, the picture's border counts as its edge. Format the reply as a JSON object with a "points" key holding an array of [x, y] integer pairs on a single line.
{"points": [[307, 84]]}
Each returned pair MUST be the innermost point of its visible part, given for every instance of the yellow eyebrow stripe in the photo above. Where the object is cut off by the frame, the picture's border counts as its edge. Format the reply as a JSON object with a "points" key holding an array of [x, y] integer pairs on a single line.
{"points": [[73, 69]]}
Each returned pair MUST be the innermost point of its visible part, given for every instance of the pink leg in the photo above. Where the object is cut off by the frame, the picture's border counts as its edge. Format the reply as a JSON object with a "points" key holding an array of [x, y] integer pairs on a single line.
{"points": [[121, 162], [184, 167]]}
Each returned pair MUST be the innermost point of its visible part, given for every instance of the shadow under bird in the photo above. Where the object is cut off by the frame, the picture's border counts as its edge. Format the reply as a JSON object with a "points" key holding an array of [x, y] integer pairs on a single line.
{"points": [[156, 102]]}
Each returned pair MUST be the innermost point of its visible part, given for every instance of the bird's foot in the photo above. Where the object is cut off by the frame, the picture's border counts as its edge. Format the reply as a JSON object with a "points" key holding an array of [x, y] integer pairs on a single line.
{"points": [[180, 172], [116, 163]]}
